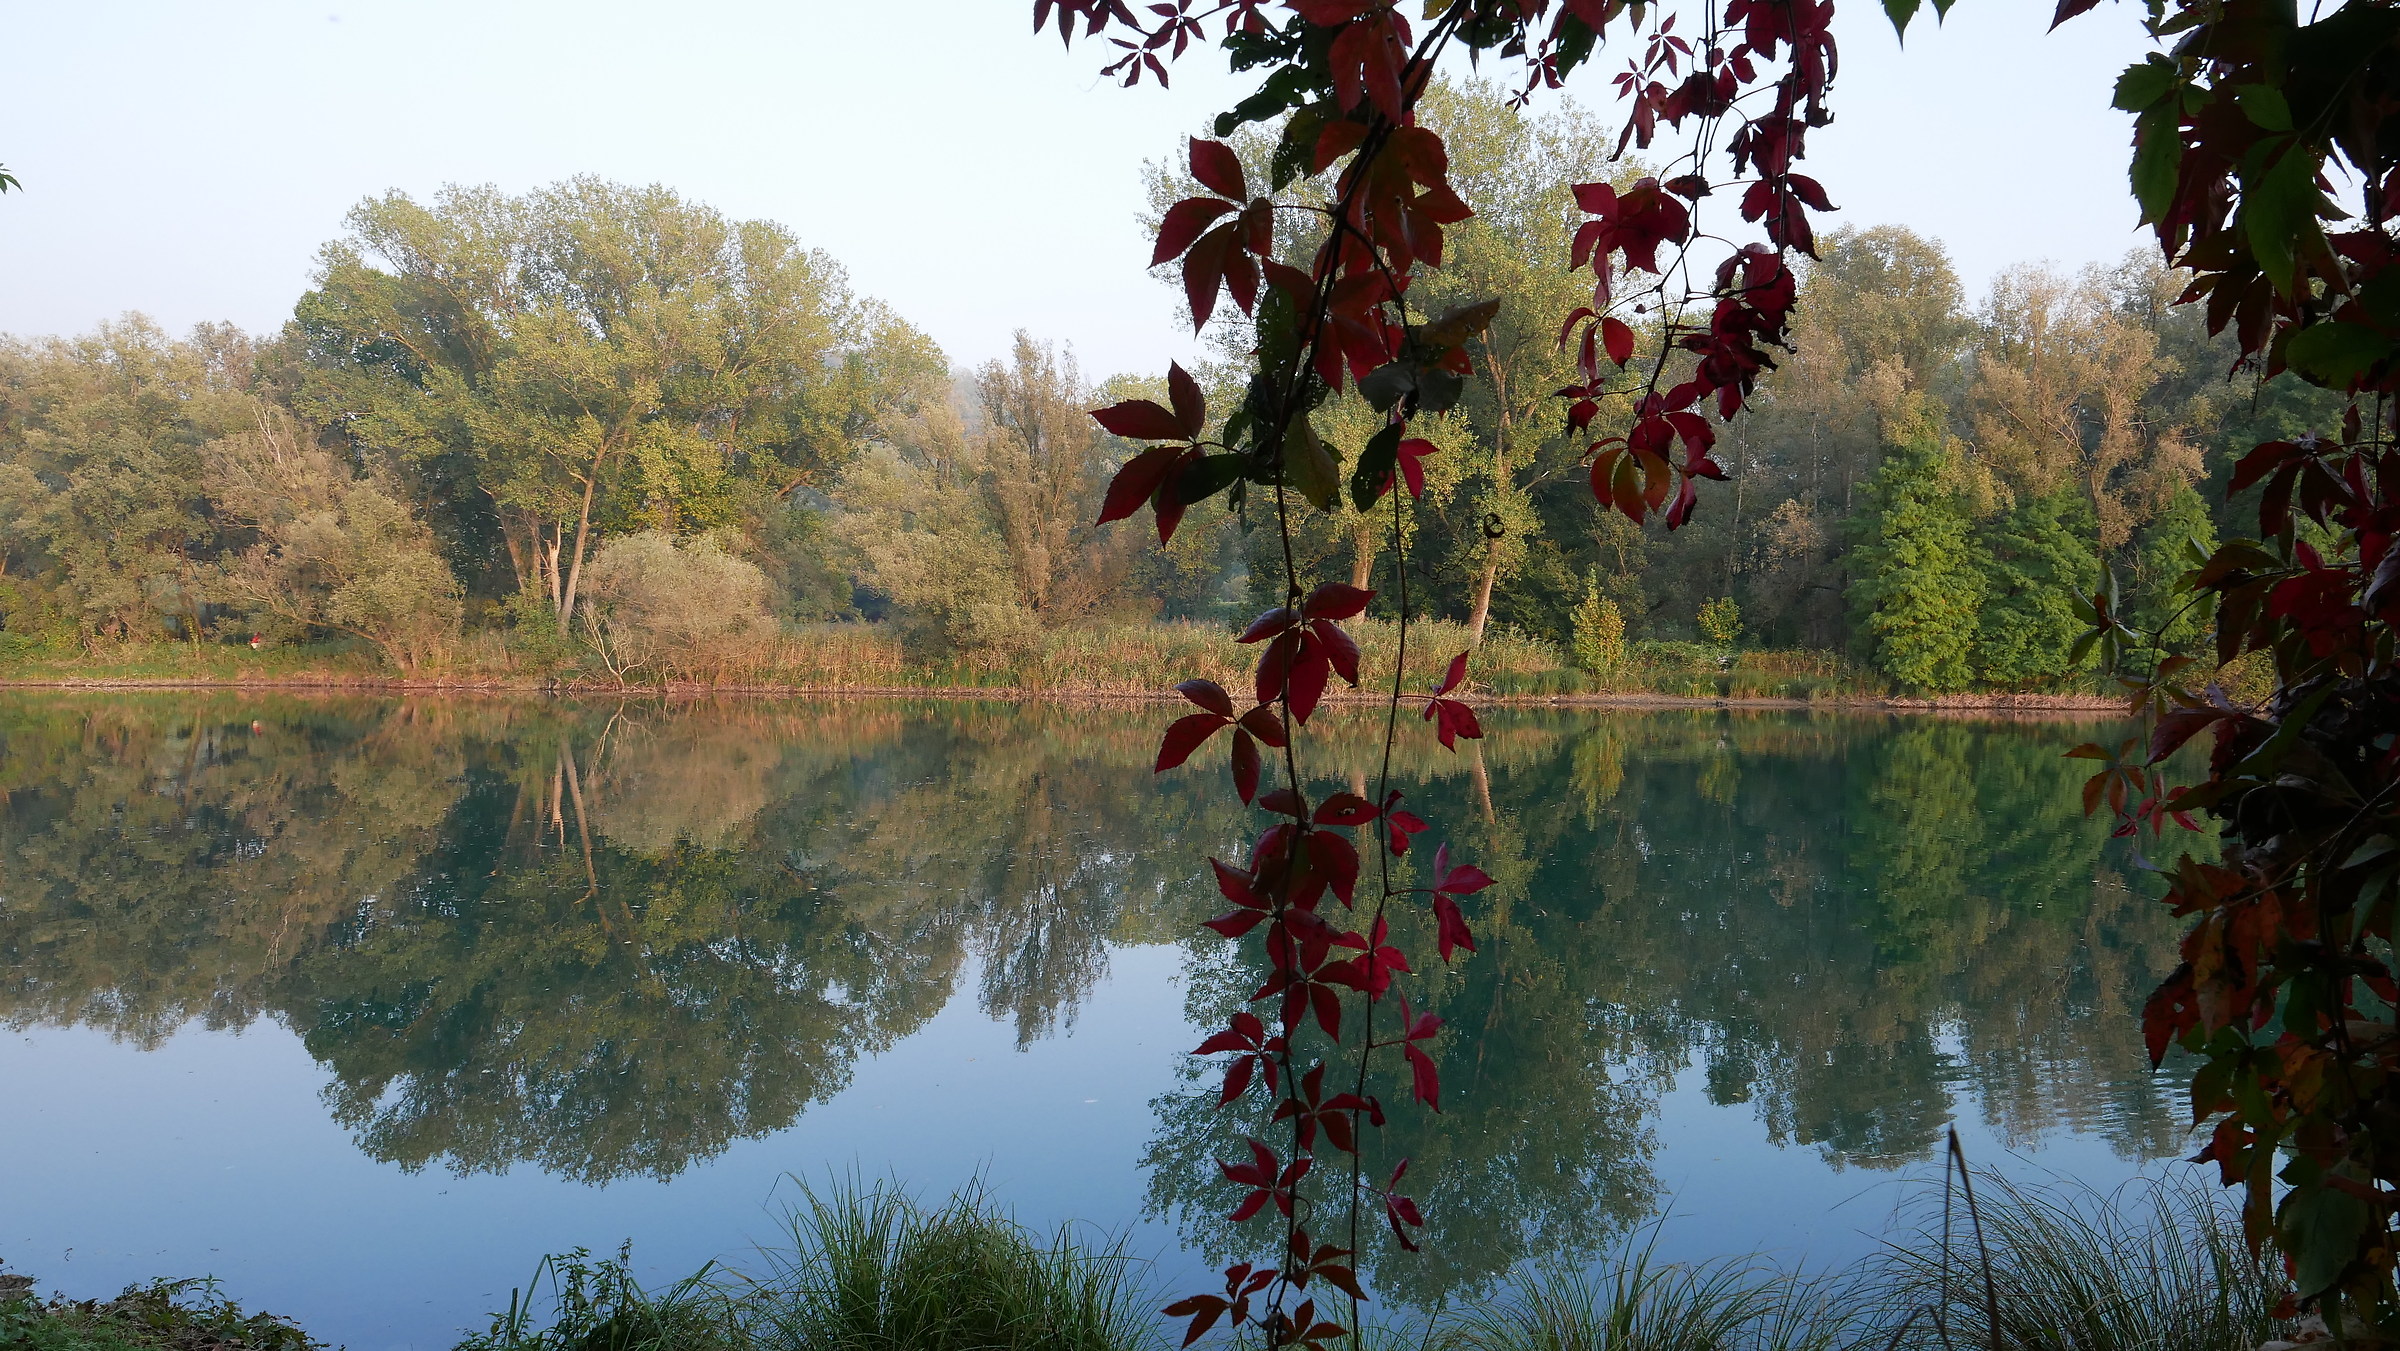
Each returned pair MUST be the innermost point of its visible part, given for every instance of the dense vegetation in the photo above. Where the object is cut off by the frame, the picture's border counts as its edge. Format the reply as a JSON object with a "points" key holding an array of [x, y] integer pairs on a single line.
{"points": [[607, 430]]}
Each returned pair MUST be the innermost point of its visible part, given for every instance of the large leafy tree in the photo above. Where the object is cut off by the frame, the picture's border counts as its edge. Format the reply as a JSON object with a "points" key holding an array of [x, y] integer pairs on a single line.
{"points": [[590, 358], [1919, 591]]}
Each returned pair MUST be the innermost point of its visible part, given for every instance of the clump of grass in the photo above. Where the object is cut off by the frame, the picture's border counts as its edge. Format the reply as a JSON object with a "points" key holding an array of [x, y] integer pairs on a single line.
{"points": [[869, 1269], [2161, 1267], [1639, 1304], [189, 1315], [596, 1305]]}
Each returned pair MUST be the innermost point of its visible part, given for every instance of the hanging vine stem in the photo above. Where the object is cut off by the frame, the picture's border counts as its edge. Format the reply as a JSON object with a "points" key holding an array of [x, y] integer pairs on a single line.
{"points": [[1343, 78]]}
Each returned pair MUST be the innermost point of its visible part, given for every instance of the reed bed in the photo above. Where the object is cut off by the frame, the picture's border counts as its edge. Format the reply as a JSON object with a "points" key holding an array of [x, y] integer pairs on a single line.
{"points": [[2158, 1267]]}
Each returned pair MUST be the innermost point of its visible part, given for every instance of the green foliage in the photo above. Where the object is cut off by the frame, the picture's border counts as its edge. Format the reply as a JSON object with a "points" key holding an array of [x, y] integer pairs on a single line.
{"points": [[1917, 588], [1720, 621], [2166, 549], [183, 1315], [1599, 631], [2035, 561]]}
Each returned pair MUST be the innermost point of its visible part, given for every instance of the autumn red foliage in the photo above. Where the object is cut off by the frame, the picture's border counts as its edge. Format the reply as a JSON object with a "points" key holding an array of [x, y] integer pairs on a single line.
{"points": [[1342, 78], [2245, 120]]}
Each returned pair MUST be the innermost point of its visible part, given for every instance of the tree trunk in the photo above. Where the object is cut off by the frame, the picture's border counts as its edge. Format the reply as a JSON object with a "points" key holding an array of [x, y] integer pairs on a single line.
{"points": [[1362, 555], [1483, 594], [583, 535]]}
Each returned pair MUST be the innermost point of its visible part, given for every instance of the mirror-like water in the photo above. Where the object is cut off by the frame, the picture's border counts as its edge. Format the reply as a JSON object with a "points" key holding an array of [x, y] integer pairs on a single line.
{"points": [[363, 1005]]}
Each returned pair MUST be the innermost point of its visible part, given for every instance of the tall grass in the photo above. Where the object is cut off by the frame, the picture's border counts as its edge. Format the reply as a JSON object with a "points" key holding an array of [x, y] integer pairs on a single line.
{"points": [[1639, 1304], [869, 1269], [2159, 1266]]}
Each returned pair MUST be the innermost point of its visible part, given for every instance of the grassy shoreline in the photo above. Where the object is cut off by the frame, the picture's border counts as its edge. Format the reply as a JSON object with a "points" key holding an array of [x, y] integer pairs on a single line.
{"points": [[2157, 1266], [2057, 705], [1124, 663]]}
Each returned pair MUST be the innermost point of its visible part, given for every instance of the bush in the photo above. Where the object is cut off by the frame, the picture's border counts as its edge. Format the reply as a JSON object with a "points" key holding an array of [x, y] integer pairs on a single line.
{"points": [[1721, 621], [1599, 631], [688, 610], [187, 1315]]}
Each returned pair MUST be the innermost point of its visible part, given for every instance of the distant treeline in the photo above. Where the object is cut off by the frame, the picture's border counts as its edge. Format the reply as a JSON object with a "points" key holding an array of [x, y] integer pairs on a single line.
{"points": [[597, 426]]}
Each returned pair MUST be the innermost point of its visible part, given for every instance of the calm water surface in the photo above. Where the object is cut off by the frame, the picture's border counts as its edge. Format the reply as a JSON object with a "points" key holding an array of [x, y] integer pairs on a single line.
{"points": [[363, 1006]]}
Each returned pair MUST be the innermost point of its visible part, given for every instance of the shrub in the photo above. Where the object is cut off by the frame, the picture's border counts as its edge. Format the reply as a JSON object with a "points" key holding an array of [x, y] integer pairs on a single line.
{"points": [[1721, 621], [1599, 631], [688, 610]]}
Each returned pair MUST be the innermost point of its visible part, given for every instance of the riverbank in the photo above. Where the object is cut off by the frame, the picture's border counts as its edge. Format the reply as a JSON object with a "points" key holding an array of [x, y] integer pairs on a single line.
{"points": [[1131, 662], [2062, 1268]]}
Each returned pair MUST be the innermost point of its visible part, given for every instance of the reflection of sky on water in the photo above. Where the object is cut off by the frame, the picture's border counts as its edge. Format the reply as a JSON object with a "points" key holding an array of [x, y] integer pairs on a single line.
{"points": [[1827, 936], [212, 1154]]}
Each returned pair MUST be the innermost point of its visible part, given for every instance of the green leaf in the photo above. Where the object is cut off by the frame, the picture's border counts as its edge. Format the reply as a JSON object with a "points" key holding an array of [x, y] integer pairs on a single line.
{"points": [[1900, 12], [2280, 207], [2144, 83], [2157, 160], [1309, 466], [2265, 106], [2336, 355], [1375, 465], [1208, 476], [1386, 385], [1293, 152], [2321, 1228]]}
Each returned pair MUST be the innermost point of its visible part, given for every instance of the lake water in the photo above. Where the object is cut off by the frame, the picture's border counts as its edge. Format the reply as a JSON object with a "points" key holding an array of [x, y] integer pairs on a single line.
{"points": [[364, 1005]]}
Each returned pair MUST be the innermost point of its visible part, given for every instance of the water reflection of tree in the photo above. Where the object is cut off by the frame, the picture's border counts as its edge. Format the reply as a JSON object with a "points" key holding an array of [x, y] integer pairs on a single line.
{"points": [[605, 941], [1851, 925], [614, 940]]}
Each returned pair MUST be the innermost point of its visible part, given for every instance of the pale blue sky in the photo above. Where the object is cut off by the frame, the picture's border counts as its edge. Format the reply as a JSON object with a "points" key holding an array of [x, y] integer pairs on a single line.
{"points": [[187, 159]]}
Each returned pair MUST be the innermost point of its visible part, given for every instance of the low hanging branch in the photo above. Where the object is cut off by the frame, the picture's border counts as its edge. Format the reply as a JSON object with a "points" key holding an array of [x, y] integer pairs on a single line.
{"points": [[1341, 79]]}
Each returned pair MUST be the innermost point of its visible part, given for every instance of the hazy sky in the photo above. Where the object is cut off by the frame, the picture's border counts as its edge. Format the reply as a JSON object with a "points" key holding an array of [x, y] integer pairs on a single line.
{"points": [[187, 160]]}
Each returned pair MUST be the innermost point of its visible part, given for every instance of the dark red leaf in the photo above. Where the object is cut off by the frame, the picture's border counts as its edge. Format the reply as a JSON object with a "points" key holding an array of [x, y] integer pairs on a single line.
{"points": [[1140, 477], [1344, 809], [1451, 925], [1617, 336], [1309, 672], [1209, 695], [1337, 860], [1245, 764], [1183, 223], [1184, 736], [1191, 410], [1218, 168], [1139, 420], [1268, 625], [1285, 802], [1335, 600], [1339, 648], [1456, 673]]}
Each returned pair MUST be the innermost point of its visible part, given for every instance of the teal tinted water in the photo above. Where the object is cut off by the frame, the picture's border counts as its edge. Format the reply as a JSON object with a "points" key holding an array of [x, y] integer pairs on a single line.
{"points": [[365, 1005]]}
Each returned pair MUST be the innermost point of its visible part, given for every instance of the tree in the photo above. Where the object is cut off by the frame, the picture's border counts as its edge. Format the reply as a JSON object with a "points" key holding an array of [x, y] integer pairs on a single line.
{"points": [[982, 537], [592, 358], [100, 441], [334, 551], [2035, 561], [1918, 589]]}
